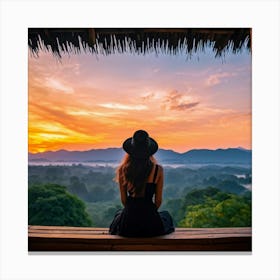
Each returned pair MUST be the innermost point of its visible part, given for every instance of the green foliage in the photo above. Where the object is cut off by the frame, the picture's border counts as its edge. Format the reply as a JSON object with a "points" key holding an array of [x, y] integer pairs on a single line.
{"points": [[103, 212], [80, 180], [51, 204], [175, 208], [184, 188], [198, 196], [218, 209], [98, 193], [78, 188], [231, 186]]}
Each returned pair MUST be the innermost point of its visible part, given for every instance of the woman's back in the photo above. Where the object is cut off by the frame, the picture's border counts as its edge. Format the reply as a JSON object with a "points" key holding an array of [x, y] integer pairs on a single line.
{"points": [[149, 188], [141, 183], [140, 216]]}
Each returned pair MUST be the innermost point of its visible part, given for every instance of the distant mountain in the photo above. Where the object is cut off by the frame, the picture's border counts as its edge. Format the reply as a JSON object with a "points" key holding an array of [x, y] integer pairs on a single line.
{"points": [[241, 148], [110, 154], [168, 156], [231, 155], [203, 156]]}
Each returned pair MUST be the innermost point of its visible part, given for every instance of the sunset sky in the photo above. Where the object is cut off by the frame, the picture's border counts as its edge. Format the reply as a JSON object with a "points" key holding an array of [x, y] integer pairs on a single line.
{"points": [[86, 102]]}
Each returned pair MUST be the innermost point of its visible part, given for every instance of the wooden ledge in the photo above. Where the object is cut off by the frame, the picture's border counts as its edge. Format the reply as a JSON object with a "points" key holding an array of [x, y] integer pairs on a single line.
{"points": [[54, 238]]}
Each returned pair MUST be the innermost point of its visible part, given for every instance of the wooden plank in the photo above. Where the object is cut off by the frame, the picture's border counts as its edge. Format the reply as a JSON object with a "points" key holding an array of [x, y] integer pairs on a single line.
{"points": [[68, 231], [179, 232], [53, 238], [35, 229], [103, 236], [216, 230], [226, 244], [139, 241], [64, 228]]}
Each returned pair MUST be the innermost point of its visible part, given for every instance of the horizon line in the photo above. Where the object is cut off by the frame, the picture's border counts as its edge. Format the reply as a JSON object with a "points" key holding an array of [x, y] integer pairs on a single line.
{"points": [[214, 149]]}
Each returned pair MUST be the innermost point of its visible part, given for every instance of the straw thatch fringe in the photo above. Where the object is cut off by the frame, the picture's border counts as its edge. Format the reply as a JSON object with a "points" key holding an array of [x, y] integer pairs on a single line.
{"points": [[108, 41]]}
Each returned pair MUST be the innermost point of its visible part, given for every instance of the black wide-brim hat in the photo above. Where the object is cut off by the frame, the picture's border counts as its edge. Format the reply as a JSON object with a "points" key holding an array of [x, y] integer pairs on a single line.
{"points": [[140, 146]]}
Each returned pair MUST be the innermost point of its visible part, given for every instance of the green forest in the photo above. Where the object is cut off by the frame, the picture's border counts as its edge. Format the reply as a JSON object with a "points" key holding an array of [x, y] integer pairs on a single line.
{"points": [[80, 195]]}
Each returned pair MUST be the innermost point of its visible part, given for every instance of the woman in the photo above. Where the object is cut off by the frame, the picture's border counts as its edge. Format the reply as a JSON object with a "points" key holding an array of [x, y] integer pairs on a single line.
{"points": [[140, 181]]}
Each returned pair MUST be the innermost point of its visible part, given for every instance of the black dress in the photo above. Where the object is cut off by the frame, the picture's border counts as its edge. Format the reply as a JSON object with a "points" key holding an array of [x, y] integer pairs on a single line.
{"points": [[140, 218]]}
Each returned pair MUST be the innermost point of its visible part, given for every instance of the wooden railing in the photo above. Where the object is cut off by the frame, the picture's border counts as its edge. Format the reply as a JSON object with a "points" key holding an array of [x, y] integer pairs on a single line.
{"points": [[54, 238]]}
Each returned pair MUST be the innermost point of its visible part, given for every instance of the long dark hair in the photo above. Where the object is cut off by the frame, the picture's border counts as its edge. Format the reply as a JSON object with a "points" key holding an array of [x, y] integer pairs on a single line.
{"points": [[133, 173]]}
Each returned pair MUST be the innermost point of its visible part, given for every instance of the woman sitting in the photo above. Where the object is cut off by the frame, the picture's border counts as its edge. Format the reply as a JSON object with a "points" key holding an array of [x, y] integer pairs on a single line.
{"points": [[140, 181]]}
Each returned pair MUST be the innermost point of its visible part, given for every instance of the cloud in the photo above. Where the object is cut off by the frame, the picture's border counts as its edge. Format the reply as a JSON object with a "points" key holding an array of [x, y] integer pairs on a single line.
{"points": [[79, 113], [216, 79], [59, 117], [57, 85], [178, 101], [148, 97], [119, 106], [184, 106], [94, 113]]}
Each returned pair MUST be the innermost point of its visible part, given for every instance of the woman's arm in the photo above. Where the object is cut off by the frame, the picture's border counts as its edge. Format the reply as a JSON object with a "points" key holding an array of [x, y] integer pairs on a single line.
{"points": [[159, 187]]}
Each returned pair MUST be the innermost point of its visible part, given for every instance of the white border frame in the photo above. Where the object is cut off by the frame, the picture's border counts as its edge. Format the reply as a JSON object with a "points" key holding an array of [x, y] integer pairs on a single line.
{"points": [[17, 16]]}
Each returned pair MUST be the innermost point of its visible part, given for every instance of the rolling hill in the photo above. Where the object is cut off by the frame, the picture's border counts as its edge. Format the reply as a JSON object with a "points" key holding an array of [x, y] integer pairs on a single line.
{"points": [[203, 156]]}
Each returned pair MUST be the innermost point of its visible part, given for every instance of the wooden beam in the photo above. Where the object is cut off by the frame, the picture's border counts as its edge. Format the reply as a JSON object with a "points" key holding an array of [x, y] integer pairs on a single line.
{"points": [[52, 238]]}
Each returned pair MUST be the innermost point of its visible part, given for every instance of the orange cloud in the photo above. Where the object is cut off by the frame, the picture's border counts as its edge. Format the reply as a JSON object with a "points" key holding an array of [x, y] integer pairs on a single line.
{"points": [[118, 106], [177, 101]]}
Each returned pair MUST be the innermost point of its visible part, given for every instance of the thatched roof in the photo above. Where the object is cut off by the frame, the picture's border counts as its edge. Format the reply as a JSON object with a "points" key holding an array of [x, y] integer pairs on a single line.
{"points": [[138, 40]]}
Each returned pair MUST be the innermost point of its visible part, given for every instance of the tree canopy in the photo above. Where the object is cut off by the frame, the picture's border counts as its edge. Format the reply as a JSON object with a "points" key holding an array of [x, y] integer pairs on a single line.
{"points": [[212, 208], [51, 204]]}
